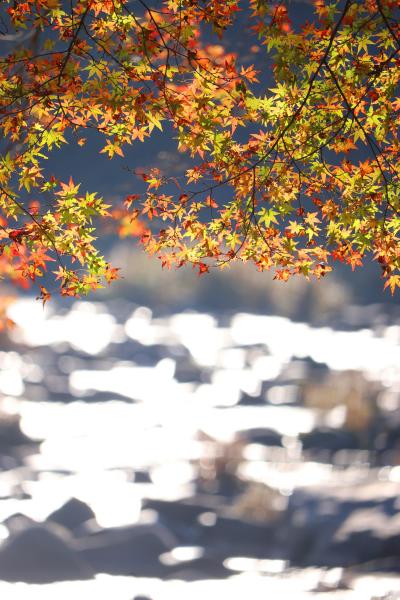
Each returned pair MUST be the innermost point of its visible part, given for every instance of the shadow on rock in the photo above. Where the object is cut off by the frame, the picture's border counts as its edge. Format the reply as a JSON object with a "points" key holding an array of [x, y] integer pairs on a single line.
{"points": [[41, 554], [130, 550], [72, 515]]}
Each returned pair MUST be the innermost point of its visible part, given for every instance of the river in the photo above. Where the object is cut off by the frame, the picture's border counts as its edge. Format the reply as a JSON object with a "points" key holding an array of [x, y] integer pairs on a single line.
{"points": [[239, 414]]}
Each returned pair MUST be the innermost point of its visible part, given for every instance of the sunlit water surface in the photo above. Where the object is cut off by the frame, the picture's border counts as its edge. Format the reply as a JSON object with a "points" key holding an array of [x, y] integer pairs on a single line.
{"points": [[151, 421]]}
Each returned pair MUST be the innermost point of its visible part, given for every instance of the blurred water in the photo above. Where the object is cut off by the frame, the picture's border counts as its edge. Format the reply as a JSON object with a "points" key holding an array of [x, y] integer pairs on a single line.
{"points": [[112, 390]]}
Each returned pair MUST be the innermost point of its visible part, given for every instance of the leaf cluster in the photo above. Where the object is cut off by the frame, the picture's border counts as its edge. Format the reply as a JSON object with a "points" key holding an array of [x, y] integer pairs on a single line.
{"points": [[291, 176]]}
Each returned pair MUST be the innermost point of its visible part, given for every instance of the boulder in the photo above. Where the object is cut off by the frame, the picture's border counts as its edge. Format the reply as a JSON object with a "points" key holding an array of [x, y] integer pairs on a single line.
{"points": [[11, 434], [185, 511], [130, 550], [340, 527], [182, 516], [41, 554], [72, 514], [263, 436], [259, 503], [142, 476], [18, 522], [332, 440], [251, 400], [239, 537]]}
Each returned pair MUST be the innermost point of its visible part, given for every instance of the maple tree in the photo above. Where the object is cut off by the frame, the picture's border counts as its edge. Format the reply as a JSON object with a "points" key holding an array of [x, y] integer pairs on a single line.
{"points": [[291, 175]]}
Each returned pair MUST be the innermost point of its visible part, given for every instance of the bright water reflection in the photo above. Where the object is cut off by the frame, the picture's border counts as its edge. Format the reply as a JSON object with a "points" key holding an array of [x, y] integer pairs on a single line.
{"points": [[237, 587], [158, 431], [174, 388]]}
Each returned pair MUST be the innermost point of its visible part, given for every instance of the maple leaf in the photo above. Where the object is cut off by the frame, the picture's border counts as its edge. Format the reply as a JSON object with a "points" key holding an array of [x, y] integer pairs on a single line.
{"points": [[131, 198], [312, 219], [203, 268], [282, 274], [68, 189], [365, 168], [392, 282], [354, 259], [209, 201], [249, 73], [44, 295], [344, 145], [111, 149], [111, 274]]}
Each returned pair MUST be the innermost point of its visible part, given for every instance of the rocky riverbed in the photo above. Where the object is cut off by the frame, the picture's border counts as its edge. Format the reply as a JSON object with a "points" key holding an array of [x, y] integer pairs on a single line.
{"points": [[165, 457]]}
